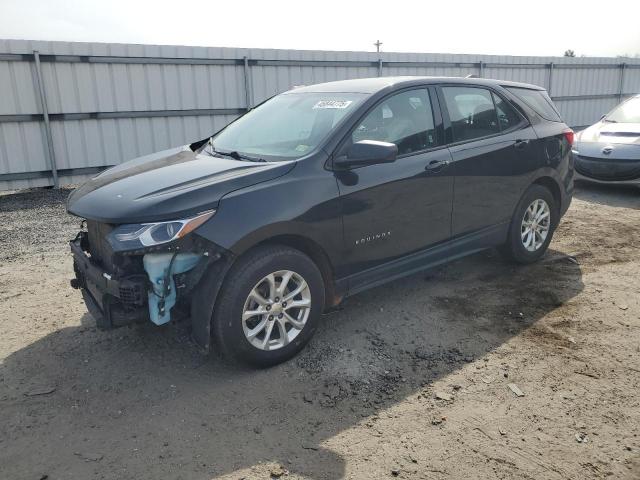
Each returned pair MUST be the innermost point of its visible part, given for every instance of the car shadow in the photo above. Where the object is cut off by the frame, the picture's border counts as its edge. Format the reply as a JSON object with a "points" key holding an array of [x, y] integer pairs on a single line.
{"points": [[143, 403], [624, 196]]}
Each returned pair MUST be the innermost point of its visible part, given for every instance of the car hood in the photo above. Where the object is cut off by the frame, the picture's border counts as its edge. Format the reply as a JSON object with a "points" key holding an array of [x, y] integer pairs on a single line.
{"points": [[167, 185], [610, 140], [614, 133]]}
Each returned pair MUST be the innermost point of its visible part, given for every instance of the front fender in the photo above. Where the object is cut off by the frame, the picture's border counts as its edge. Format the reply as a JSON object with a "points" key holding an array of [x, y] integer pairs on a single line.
{"points": [[203, 299], [304, 203]]}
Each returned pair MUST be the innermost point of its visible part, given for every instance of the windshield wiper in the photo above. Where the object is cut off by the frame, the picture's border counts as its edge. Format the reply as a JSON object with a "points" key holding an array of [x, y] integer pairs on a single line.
{"points": [[609, 120], [237, 156]]}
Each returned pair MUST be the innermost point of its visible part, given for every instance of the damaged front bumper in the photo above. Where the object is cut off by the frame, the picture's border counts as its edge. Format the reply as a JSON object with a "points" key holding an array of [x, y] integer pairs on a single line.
{"points": [[113, 302], [149, 292]]}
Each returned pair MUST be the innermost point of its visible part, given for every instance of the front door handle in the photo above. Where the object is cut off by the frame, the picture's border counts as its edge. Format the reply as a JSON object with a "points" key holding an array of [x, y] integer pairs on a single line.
{"points": [[435, 166], [520, 144]]}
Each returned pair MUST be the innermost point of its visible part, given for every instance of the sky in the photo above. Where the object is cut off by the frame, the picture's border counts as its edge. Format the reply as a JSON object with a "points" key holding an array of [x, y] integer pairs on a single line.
{"points": [[516, 27]]}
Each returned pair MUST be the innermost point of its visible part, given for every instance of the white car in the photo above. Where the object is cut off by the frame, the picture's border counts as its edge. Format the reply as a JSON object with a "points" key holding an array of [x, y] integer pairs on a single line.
{"points": [[609, 151]]}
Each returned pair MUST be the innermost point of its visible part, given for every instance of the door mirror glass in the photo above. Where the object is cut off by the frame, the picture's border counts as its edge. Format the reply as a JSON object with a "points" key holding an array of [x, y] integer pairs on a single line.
{"points": [[368, 152]]}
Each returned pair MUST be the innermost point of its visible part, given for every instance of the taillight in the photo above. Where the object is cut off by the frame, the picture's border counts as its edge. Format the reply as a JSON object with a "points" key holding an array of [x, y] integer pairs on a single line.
{"points": [[569, 135]]}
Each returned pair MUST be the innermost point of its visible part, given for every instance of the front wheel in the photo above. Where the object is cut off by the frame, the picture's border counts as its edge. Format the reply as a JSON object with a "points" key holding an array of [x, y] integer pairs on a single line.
{"points": [[532, 226], [269, 306]]}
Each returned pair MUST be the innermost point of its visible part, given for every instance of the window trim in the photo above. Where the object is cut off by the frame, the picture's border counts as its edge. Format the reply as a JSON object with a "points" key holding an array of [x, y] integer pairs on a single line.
{"points": [[436, 110], [447, 121]]}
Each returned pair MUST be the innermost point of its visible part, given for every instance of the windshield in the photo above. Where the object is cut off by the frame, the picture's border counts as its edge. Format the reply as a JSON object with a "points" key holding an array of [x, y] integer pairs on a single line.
{"points": [[287, 126], [627, 112]]}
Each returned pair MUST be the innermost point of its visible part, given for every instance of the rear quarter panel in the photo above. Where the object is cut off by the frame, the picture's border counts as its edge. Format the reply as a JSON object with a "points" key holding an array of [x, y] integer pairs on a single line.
{"points": [[558, 159], [553, 150]]}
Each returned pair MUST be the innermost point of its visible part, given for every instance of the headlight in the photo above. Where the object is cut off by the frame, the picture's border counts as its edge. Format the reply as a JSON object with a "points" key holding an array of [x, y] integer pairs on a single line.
{"points": [[140, 235]]}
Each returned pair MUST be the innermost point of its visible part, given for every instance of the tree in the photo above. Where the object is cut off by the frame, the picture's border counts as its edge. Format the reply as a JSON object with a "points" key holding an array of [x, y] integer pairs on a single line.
{"points": [[569, 53]]}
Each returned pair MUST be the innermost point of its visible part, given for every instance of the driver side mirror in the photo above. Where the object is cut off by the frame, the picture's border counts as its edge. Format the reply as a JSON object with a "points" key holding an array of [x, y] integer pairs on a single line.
{"points": [[367, 152]]}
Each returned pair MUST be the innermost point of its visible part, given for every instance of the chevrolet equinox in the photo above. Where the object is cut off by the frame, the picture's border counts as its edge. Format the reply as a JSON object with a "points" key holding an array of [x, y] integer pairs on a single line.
{"points": [[317, 194]]}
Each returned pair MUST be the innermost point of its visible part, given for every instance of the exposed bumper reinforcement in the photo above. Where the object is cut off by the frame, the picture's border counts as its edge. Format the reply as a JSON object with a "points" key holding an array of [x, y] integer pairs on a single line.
{"points": [[112, 302]]}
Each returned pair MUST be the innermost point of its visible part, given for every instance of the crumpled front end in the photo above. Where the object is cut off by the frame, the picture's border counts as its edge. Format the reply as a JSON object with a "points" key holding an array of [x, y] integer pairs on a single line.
{"points": [[150, 284], [113, 300]]}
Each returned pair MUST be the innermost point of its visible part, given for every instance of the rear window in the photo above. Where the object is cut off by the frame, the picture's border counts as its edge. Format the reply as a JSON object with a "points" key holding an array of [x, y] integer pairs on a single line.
{"points": [[539, 101]]}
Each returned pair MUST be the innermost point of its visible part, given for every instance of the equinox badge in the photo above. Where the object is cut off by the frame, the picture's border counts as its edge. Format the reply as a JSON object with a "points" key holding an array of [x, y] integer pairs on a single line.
{"points": [[371, 238]]}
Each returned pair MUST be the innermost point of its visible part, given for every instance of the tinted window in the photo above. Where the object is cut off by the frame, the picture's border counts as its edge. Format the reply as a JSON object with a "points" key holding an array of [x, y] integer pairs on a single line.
{"points": [[507, 116], [405, 119], [471, 112], [539, 101]]}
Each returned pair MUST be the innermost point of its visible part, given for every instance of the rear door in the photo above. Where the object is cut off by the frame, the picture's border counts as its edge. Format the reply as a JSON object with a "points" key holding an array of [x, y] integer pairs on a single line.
{"points": [[391, 210], [492, 152]]}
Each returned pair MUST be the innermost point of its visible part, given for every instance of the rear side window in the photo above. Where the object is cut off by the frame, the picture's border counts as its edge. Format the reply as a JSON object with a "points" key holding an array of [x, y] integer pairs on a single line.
{"points": [[471, 112], [507, 116], [405, 119], [539, 101]]}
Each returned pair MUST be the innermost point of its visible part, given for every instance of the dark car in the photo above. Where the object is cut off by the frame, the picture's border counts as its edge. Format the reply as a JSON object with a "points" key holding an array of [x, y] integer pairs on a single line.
{"points": [[317, 194], [609, 151]]}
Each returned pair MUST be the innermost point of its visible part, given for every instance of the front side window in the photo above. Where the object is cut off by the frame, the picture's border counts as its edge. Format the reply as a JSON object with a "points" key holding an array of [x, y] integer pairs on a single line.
{"points": [[471, 112], [627, 112], [405, 119], [287, 126]]}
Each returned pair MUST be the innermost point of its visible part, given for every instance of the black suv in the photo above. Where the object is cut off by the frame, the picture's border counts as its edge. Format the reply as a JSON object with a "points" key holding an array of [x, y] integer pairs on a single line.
{"points": [[317, 194]]}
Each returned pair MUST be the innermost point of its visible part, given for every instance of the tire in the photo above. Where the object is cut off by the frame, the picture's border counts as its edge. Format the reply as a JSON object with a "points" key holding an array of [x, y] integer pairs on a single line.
{"points": [[516, 248], [248, 290]]}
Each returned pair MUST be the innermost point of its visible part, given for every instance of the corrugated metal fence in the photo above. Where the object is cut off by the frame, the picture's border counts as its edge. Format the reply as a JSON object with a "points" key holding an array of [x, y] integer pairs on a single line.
{"points": [[67, 110]]}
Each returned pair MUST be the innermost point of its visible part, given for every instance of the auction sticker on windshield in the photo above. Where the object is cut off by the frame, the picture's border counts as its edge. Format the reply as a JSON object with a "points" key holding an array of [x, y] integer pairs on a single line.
{"points": [[333, 104]]}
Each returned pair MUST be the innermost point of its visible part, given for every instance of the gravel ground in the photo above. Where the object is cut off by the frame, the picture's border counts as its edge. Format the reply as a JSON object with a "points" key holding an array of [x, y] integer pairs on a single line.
{"points": [[410, 380]]}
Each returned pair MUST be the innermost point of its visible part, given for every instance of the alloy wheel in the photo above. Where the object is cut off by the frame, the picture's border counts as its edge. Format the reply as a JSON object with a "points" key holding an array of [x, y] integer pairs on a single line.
{"points": [[536, 225], [276, 310]]}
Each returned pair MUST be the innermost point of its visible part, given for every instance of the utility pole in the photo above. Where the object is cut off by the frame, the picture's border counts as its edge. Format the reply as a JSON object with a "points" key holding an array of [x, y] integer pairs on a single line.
{"points": [[378, 44]]}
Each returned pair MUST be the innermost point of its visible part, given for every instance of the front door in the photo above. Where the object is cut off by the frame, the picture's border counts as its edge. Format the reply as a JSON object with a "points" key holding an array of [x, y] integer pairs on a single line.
{"points": [[392, 210]]}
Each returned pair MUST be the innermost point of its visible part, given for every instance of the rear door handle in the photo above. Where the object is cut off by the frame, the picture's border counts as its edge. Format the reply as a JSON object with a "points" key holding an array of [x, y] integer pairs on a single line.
{"points": [[521, 143], [436, 165]]}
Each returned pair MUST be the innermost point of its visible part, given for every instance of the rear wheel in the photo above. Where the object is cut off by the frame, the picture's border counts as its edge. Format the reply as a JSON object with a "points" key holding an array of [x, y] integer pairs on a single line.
{"points": [[269, 306], [532, 226]]}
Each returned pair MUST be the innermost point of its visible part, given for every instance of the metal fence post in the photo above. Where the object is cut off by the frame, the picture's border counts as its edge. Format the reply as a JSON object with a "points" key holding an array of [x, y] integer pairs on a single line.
{"points": [[379, 67], [623, 67], [481, 69], [550, 78], [247, 84], [47, 125]]}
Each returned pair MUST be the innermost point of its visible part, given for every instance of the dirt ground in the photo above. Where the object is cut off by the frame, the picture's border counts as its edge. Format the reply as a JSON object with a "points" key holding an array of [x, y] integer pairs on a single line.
{"points": [[410, 380]]}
